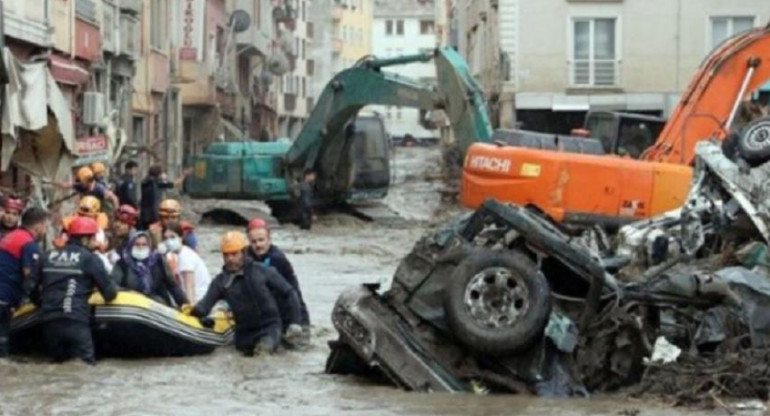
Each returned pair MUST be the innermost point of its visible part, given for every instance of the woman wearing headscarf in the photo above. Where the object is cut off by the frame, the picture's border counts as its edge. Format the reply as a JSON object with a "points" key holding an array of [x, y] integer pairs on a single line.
{"points": [[143, 270]]}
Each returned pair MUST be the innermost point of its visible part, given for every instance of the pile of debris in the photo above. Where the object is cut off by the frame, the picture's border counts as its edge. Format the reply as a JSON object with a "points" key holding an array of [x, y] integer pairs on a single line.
{"points": [[505, 300]]}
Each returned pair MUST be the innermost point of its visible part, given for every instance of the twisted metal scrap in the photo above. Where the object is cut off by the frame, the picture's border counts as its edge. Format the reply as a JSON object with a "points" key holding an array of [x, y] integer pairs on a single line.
{"points": [[701, 380]]}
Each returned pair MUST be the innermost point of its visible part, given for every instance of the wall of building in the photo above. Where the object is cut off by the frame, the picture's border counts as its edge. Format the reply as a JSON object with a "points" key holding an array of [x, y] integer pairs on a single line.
{"points": [[415, 39]]}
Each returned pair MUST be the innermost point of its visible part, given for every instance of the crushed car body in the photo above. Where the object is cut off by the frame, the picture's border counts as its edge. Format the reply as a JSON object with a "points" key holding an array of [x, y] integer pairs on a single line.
{"points": [[503, 300]]}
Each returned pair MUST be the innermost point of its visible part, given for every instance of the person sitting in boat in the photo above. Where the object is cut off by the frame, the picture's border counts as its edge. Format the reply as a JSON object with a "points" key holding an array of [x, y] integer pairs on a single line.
{"points": [[187, 265], [62, 287], [12, 209], [19, 254], [144, 270], [123, 228], [251, 289], [261, 249], [171, 211]]}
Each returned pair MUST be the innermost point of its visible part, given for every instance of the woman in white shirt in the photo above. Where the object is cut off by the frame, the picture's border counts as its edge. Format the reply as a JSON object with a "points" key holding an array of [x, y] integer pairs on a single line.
{"points": [[189, 269]]}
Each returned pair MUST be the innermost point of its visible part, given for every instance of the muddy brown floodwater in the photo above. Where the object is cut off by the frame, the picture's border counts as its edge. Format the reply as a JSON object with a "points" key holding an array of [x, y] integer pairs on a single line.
{"points": [[339, 252]]}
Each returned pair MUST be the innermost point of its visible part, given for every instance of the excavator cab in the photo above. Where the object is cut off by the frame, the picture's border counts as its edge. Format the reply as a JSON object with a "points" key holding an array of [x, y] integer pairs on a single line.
{"points": [[370, 158], [623, 134]]}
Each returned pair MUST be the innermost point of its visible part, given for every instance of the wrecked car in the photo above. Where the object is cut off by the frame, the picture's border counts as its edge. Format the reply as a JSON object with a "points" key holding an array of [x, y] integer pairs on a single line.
{"points": [[504, 300]]}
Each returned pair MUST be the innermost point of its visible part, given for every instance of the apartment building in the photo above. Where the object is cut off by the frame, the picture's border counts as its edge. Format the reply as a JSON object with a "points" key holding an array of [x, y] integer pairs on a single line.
{"points": [[405, 27], [544, 63]]}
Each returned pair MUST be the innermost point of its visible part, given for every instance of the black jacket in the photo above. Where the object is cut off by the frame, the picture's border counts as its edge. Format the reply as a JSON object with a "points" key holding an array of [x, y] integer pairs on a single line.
{"points": [[163, 287], [276, 258], [126, 191], [65, 280], [254, 295], [152, 194]]}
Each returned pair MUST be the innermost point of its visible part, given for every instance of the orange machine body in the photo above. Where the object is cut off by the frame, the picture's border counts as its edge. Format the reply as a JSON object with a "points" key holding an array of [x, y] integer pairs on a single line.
{"points": [[572, 186]]}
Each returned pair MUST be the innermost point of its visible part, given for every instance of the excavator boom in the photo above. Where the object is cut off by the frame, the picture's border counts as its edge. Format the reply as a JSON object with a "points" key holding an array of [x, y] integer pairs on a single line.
{"points": [[324, 141], [708, 106]]}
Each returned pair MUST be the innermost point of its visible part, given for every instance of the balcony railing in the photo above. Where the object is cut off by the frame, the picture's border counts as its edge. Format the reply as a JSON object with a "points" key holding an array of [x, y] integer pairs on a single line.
{"points": [[595, 73], [337, 45]]}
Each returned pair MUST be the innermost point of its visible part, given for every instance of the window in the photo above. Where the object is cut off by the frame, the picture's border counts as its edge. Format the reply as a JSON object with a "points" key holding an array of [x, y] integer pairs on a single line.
{"points": [[158, 24], [303, 11], [388, 27], [399, 27], [426, 27], [304, 85], [594, 55], [724, 27], [398, 113], [304, 47]]}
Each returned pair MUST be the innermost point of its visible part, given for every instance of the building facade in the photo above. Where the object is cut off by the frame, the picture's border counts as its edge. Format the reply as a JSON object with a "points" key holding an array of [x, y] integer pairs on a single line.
{"points": [[405, 27], [343, 35], [294, 91], [544, 63]]}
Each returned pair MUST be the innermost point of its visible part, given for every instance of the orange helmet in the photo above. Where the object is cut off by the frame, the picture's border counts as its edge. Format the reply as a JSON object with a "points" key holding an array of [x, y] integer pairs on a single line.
{"points": [[170, 208], [89, 206], [98, 168], [233, 242], [85, 174]]}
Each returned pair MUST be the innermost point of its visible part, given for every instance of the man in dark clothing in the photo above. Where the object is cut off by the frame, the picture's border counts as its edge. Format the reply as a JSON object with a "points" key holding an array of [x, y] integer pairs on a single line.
{"points": [[251, 290], [153, 188], [305, 203], [19, 255], [61, 289], [127, 188], [262, 250]]}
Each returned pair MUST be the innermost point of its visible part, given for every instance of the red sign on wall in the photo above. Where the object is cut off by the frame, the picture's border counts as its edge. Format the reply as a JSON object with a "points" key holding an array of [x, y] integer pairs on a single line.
{"points": [[87, 146]]}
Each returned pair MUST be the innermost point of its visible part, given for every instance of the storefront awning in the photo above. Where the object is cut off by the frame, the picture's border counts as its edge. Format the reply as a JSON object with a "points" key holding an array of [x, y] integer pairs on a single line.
{"points": [[68, 71]]}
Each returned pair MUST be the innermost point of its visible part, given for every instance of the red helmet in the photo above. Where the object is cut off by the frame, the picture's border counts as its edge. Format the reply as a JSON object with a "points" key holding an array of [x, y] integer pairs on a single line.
{"points": [[257, 223], [127, 214], [15, 204], [82, 226]]}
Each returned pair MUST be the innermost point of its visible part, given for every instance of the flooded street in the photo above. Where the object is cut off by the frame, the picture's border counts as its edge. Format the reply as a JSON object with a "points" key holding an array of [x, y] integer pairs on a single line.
{"points": [[341, 251]]}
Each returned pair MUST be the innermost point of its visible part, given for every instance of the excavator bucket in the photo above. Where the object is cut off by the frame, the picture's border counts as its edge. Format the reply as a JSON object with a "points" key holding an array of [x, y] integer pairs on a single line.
{"points": [[462, 99]]}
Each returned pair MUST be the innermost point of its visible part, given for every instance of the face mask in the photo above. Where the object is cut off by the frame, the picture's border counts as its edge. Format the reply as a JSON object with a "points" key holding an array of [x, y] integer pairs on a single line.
{"points": [[140, 253], [174, 244]]}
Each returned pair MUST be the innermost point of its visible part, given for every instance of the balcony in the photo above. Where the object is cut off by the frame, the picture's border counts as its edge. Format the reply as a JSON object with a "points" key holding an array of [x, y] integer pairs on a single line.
{"points": [[256, 39], [337, 12], [290, 102], [310, 30], [337, 45], [86, 9]]}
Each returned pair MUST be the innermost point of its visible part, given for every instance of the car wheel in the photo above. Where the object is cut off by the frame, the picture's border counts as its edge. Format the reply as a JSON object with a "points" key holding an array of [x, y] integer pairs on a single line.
{"points": [[497, 303], [754, 142]]}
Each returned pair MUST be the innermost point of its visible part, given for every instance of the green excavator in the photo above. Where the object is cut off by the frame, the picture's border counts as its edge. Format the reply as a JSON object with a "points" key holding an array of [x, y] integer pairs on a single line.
{"points": [[350, 153]]}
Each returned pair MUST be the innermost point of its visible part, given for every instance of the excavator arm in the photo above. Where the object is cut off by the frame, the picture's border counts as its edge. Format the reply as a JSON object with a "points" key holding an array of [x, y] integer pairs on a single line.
{"points": [[709, 105], [325, 140]]}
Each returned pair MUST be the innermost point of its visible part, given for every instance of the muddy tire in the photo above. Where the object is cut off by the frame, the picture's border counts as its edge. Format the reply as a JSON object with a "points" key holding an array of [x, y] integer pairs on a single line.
{"points": [[754, 142], [497, 303]]}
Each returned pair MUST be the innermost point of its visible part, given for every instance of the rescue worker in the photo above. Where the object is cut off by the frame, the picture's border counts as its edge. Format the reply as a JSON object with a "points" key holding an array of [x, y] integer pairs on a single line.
{"points": [[90, 207], [262, 250], [12, 209], [153, 188], [123, 227], [305, 202], [62, 286], [87, 185], [251, 289], [126, 190], [19, 255], [100, 174], [170, 210]]}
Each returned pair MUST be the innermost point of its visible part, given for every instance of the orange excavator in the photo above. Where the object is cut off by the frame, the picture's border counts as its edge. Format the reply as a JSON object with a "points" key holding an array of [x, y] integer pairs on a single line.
{"points": [[573, 182]]}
